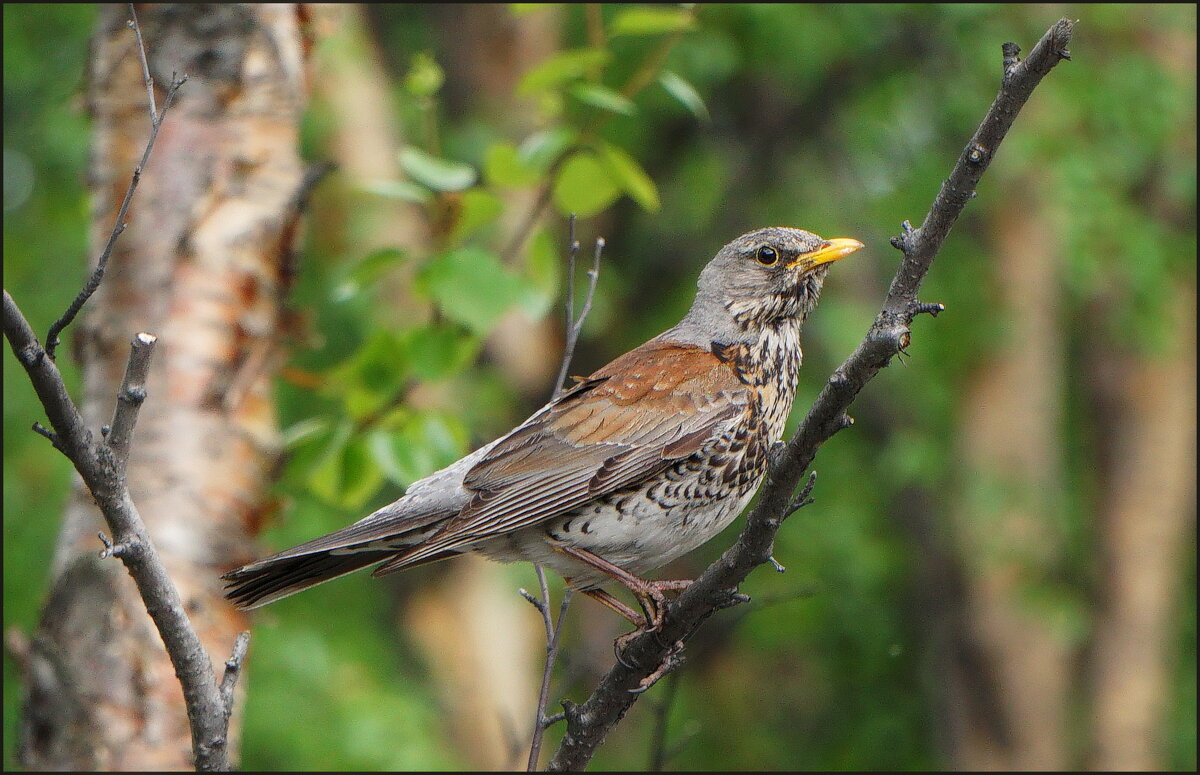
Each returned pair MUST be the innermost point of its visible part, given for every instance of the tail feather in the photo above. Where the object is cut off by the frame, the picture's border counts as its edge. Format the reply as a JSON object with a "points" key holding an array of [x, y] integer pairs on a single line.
{"points": [[378, 537], [277, 577]]}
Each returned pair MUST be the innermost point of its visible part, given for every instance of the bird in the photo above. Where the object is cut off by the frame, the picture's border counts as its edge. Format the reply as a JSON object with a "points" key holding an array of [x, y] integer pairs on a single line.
{"points": [[633, 466]]}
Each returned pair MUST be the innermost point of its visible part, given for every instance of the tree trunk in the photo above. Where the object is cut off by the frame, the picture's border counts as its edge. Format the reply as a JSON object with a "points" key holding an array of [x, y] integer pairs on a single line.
{"points": [[1009, 707], [1147, 510], [204, 264]]}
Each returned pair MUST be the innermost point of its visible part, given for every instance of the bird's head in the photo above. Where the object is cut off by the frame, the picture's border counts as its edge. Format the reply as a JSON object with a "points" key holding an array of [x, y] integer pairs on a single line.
{"points": [[763, 279]]}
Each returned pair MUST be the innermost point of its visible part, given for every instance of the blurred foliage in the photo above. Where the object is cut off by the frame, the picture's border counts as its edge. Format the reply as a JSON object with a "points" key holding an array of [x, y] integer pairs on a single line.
{"points": [[45, 235], [675, 131]]}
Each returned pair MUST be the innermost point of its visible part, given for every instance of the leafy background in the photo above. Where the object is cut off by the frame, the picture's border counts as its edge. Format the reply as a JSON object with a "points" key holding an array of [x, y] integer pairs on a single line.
{"points": [[839, 119]]}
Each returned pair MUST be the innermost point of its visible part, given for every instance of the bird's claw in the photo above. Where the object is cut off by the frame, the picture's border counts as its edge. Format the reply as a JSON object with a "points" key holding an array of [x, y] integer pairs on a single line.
{"points": [[622, 642], [671, 660]]}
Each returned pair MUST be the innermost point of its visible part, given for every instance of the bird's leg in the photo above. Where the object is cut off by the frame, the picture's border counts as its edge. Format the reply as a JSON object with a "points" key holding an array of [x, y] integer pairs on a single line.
{"points": [[633, 616], [636, 619], [642, 625], [650, 594]]}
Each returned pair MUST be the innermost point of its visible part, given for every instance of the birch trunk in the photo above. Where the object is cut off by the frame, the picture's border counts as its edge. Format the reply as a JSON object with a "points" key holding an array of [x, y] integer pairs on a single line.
{"points": [[204, 264]]}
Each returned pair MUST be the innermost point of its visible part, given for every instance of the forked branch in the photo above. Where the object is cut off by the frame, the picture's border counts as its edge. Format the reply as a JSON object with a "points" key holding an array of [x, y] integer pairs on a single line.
{"points": [[589, 723], [101, 462]]}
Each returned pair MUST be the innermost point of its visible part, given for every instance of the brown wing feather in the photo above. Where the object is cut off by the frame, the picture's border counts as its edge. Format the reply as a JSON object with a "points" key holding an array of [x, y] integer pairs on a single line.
{"points": [[629, 421]]}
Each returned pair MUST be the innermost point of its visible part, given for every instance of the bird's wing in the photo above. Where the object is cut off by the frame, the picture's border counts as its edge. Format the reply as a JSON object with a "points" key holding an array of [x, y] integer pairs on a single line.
{"points": [[627, 422]]}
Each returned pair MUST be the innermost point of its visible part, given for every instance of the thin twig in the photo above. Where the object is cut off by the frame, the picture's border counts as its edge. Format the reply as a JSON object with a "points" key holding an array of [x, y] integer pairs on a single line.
{"points": [[594, 23], [50, 435], [553, 631], [589, 723], [542, 604], [517, 241], [156, 119], [141, 48], [575, 326], [568, 306], [645, 74]]}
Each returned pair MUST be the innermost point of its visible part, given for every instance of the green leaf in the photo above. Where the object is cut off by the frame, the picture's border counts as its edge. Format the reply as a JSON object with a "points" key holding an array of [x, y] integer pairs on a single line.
{"points": [[345, 476], [543, 267], [367, 272], [426, 442], [604, 98], [425, 76], [685, 93], [630, 176], [560, 69], [503, 167], [651, 21], [397, 189], [470, 286], [478, 209], [370, 375], [541, 149], [438, 174], [438, 350], [584, 186]]}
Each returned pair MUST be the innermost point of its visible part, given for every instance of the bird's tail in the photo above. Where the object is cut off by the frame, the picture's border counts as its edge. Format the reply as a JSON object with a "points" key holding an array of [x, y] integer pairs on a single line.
{"points": [[390, 532], [277, 577]]}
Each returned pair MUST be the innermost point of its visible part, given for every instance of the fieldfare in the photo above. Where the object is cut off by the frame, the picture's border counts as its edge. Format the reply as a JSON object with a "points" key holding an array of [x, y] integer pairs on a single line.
{"points": [[635, 465]]}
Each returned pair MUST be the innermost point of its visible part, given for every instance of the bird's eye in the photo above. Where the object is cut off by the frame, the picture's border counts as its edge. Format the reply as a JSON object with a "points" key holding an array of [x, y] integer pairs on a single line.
{"points": [[766, 255]]}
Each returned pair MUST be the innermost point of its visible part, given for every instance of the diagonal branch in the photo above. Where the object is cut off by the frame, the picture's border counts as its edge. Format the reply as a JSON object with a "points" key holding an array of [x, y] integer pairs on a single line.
{"points": [[102, 468], [589, 723], [156, 119], [101, 463]]}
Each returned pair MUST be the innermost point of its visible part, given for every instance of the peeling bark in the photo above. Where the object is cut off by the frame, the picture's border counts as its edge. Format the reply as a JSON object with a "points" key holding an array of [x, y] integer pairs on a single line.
{"points": [[204, 265]]}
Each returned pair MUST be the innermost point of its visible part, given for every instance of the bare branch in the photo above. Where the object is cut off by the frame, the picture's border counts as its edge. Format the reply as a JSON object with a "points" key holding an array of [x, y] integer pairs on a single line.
{"points": [[568, 305], [50, 435], [130, 398], [101, 462], [576, 325], [533, 601], [233, 670], [137, 31], [97, 464], [542, 604], [156, 119], [509, 254], [589, 723], [553, 631]]}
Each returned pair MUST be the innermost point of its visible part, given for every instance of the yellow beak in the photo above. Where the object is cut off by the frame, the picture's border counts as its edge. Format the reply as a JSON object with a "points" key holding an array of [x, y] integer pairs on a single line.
{"points": [[831, 251]]}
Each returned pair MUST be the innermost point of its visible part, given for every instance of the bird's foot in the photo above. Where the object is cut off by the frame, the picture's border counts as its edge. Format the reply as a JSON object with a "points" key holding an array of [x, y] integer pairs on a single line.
{"points": [[652, 596], [623, 641], [671, 660], [653, 600]]}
